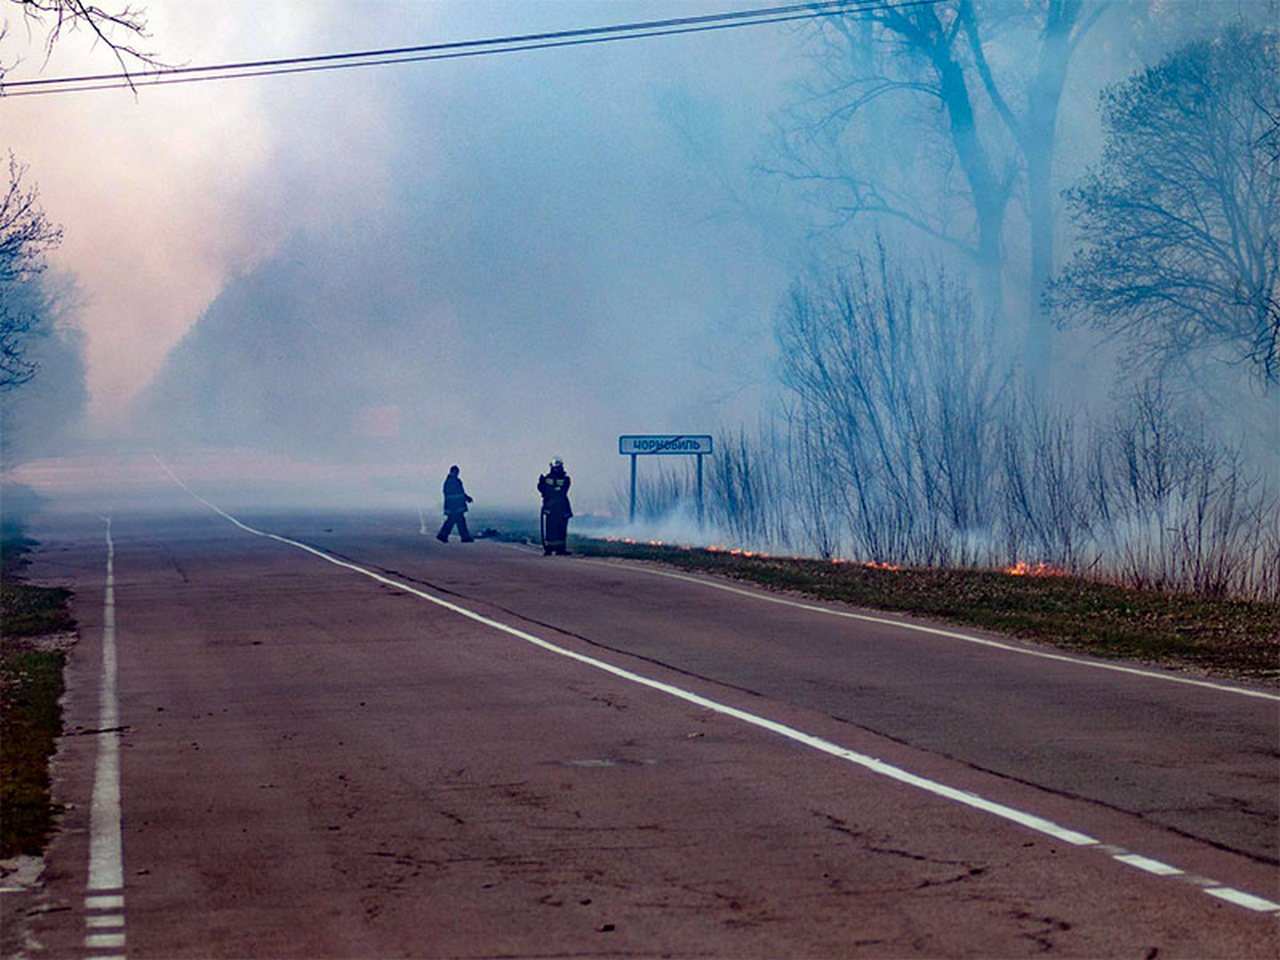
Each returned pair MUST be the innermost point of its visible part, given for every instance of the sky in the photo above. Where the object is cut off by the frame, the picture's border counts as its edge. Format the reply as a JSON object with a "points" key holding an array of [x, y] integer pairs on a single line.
{"points": [[497, 260]]}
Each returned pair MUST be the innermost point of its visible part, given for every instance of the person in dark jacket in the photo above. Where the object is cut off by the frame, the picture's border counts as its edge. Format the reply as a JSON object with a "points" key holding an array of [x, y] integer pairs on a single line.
{"points": [[455, 508], [554, 487]]}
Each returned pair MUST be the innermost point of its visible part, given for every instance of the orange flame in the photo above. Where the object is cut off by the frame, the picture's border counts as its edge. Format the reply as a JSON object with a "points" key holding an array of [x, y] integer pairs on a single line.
{"points": [[1041, 569], [873, 565], [735, 551]]}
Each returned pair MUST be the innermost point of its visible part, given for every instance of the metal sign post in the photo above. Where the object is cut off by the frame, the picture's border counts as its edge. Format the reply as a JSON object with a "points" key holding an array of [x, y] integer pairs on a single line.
{"points": [[631, 514], [637, 445]]}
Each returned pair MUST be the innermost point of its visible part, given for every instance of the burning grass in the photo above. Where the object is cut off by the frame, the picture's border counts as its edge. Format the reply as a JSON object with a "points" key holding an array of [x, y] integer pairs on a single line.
{"points": [[1231, 638], [1041, 569]]}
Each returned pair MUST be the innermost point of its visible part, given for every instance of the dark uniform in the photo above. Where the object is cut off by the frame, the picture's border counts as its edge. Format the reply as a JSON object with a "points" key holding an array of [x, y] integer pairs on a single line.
{"points": [[455, 508], [554, 487]]}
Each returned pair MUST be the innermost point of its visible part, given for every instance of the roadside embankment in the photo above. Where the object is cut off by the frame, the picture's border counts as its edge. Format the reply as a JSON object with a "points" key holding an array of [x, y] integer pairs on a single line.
{"points": [[35, 628], [1238, 639]]}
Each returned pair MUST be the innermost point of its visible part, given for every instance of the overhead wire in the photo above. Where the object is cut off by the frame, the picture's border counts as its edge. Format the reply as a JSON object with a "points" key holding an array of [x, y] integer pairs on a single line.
{"points": [[451, 50]]}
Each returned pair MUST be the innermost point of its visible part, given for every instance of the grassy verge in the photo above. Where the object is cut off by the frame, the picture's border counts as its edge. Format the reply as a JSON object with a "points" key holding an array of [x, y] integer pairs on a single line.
{"points": [[1231, 638], [30, 688]]}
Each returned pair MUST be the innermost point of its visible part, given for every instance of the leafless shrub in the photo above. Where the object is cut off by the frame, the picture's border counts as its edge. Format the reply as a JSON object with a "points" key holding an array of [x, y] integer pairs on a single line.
{"points": [[1047, 515], [811, 486], [1180, 509], [661, 492], [893, 401], [1147, 499], [747, 495]]}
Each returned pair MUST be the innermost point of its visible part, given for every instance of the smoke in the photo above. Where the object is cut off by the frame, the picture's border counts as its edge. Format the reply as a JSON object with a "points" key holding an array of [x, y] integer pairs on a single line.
{"points": [[547, 263], [168, 195], [330, 287]]}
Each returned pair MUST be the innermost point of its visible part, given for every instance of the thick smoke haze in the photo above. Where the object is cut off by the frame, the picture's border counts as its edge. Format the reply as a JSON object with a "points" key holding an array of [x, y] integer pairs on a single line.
{"points": [[357, 278], [163, 199], [486, 261], [550, 266]]}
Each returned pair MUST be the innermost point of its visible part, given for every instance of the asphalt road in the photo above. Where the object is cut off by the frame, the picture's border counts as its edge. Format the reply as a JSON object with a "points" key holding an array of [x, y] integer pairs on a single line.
{"points": [[571, 757]]}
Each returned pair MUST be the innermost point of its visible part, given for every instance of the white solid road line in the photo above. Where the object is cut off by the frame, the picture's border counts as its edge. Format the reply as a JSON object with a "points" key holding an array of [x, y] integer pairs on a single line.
{"points": [[104, 889], [1023, 819], [759, 594]]}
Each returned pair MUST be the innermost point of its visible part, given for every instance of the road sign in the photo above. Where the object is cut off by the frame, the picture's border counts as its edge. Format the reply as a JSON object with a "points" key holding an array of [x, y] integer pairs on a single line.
{"points": [[689, 444], [685, 443]]}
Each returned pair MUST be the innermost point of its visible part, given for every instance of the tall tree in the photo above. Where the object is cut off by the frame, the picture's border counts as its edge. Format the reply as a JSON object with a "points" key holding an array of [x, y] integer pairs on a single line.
{"points": [[998, 127], [1034, 126], [1181, 219]]}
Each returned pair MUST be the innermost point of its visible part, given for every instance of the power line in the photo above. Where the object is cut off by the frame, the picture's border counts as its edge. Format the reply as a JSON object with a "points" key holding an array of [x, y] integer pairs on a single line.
{"points": [[453, 50]]}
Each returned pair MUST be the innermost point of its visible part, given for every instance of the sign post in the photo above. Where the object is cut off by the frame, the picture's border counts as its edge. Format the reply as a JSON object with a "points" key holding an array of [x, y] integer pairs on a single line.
{"points": [[638, 445]]}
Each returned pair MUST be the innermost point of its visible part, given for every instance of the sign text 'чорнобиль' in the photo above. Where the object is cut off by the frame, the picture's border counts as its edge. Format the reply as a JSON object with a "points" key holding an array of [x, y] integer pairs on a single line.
{"points": [[664, 443]]}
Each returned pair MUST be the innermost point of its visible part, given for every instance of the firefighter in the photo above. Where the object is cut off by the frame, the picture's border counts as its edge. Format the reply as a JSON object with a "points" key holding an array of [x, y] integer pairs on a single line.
{"points": [[554, 487], [455, 508]]}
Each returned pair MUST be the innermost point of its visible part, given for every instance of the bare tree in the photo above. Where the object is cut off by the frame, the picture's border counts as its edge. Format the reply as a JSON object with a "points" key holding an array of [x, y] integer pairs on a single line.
{"points": [[116, 28], [44, 416], [1181, 219], [995, 125], [26, 234]]}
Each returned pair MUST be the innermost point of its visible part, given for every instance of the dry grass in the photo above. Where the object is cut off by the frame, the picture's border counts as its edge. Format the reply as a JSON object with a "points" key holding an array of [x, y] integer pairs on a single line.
{"points": [[1230, 638], [30, 688]]}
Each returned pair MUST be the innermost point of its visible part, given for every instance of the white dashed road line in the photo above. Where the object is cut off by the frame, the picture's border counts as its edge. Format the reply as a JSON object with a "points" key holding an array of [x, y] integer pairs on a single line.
{"points": [[964, 797], [104, 891], [1147, 864]]}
